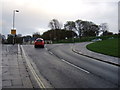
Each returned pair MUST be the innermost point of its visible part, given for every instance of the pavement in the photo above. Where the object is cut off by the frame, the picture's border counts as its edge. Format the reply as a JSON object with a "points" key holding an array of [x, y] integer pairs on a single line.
{"points": [[0, 65], [80, 48], [14, 71]]}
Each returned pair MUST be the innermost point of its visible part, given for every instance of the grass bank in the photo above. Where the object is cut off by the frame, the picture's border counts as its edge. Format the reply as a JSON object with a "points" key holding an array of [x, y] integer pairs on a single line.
{"points": [[107, 47]]}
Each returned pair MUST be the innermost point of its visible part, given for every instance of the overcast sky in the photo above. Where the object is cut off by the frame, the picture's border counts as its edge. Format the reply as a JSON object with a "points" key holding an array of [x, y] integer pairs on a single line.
{"points": [[34, 15]]}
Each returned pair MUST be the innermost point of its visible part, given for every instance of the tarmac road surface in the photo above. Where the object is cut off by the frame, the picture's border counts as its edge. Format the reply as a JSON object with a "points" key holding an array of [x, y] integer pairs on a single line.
{"points": [[63, 68]]}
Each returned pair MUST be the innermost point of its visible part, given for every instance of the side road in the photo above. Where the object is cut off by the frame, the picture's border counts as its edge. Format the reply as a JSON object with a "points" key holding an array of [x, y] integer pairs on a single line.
{"points": [[80, 48], [14, 71]]}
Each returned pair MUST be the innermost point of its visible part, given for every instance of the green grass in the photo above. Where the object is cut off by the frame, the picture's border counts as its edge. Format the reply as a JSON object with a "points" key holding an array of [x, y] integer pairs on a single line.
{"points": [[107, 47]]}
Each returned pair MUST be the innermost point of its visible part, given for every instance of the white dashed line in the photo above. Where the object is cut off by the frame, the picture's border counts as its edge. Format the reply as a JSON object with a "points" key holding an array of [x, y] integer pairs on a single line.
{"points": [[75, 66], [50, 52], [70, 63]]}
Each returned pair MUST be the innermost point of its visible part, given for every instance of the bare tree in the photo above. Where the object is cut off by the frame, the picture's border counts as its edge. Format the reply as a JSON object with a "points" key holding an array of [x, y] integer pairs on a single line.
{"points": [[54, 24], [103, 27], [79, 27], [86, 28], [70, 25], [51, 25]]}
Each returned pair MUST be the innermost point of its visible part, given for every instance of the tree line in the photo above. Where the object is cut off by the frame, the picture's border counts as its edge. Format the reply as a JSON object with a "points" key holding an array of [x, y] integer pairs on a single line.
{"points": [[71, 29]]}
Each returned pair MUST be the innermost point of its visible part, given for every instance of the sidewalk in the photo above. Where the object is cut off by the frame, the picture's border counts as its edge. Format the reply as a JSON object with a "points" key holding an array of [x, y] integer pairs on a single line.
{"points": [[0, 66], [14, 70], [80, 48]]}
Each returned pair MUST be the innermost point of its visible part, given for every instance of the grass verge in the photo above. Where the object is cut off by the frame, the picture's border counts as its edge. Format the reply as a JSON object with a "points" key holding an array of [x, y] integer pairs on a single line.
{"points": [[107, 47]]}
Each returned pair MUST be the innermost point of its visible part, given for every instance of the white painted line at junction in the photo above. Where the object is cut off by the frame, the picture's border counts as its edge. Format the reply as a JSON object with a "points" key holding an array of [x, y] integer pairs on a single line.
{"points": [[75, 66]]}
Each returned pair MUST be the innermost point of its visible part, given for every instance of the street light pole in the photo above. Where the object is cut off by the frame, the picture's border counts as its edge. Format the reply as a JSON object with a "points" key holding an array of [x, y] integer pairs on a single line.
{"points": [[14, 31], [14, 17]]}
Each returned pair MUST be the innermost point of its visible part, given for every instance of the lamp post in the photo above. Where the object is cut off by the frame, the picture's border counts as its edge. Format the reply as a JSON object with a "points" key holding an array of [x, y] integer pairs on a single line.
{"points": [[14, 17], [13, 31]]}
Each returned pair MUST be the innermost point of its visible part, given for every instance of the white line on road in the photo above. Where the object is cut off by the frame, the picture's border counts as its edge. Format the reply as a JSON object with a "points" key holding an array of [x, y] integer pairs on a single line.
{"points": [[18, 49], [75, 66], [70, 63], [37, 78], [46, 48], [50, 52]]}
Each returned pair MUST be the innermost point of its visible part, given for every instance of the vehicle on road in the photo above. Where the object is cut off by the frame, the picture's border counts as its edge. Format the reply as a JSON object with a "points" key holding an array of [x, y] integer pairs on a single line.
{"points": [[39, 42], [97, 39]]}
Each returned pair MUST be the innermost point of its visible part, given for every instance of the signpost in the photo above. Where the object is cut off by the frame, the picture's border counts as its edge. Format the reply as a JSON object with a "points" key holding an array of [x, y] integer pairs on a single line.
{"points": [[13, 31]]}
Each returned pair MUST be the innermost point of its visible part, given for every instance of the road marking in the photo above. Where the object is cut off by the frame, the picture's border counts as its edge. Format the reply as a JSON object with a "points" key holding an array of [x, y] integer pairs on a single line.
{"points": [[71, 63], [46, 48], [18, 49], [50, 52], [37, 78], [75, 66]]}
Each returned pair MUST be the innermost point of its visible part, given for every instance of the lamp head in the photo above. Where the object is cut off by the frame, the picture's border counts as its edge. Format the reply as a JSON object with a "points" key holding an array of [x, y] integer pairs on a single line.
{"points": [[16, 11]]}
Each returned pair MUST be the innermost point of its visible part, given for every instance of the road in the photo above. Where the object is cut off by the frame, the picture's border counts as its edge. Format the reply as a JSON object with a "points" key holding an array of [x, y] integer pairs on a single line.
{"points": [[66, 69]]}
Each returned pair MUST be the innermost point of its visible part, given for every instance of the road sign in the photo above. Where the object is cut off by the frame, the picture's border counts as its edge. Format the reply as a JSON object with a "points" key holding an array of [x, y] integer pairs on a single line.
{"points": [[13, 31]]}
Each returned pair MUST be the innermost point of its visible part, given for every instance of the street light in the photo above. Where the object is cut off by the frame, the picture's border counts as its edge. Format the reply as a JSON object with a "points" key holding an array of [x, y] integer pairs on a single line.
{"points": [[14, 17], [13, 31]]}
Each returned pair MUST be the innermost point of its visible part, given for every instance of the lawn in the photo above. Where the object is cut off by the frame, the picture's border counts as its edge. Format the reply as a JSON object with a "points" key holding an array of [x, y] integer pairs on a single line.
{"points": [[107, 47]]}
